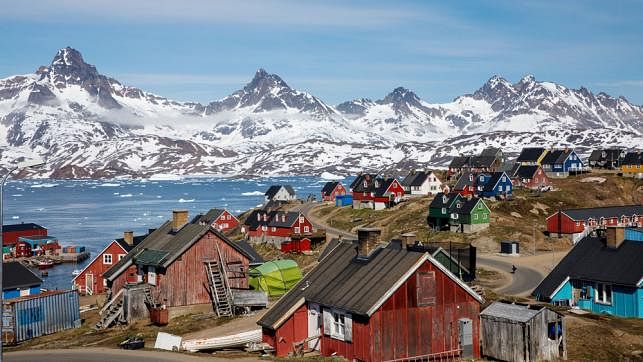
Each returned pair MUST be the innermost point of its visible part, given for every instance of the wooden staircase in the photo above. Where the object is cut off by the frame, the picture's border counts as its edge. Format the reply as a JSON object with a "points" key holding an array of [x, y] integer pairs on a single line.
{"points": [[219, 287], [112, 312]]}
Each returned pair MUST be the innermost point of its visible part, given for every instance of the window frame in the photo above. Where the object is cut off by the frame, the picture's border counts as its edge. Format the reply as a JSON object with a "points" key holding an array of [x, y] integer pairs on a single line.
{"points": [[603, 293], [105, 257]]}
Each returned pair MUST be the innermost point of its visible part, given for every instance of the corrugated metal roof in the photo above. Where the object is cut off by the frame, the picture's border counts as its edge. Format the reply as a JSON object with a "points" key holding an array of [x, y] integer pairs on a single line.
{"points": [[511, 311]]}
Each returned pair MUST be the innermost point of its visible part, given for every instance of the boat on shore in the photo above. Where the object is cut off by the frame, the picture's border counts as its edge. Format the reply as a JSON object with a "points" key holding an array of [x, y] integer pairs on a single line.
{"points": [[45, 264]]}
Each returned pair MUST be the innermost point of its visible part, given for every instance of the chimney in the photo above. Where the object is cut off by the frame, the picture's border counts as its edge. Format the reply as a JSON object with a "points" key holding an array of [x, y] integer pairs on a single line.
{"points": [[615, 236], [407, 239], [128, 236], [179, 219], [367, 241]]}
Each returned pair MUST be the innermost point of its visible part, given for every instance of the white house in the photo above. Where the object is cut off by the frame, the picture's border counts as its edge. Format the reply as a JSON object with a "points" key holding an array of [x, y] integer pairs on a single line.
{"points": [[422, 183], [280, 193]]}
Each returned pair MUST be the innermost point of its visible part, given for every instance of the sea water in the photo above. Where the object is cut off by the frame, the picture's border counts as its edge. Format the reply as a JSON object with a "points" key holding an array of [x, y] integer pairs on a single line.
{"points": [[92, 213]]}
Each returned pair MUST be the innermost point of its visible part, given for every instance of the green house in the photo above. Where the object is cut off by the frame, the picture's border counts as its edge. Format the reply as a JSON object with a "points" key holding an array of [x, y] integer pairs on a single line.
{"points": [[469, 215], [439, 210]]}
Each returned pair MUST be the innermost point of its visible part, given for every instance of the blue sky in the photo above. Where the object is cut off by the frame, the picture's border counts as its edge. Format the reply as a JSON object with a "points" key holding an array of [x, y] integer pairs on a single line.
{"points": [[338, 50]]}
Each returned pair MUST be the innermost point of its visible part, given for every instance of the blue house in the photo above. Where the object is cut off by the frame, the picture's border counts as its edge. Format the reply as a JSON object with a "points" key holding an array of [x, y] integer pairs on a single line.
{"points": [[493, 184], [602, 274], [559, 163], [19, 281]]}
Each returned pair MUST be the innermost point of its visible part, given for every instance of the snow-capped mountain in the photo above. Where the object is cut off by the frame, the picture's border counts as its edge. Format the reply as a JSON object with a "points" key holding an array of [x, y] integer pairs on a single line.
{"points": [[85, 124]]}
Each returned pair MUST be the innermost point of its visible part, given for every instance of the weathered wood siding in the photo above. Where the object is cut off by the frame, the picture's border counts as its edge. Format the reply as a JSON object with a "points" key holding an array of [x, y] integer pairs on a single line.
{"points": [[508, 340], [96, 268], [294, 329], [185, 281]]}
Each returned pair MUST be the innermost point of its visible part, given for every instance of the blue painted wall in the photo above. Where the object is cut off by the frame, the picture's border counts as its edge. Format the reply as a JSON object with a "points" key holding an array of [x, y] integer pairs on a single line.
{"points": [[507, 186], [626, 301], [632, 234], [15, 293]]}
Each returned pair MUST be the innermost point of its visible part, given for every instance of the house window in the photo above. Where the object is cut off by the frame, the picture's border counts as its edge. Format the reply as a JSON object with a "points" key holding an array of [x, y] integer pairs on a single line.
{"points": [[499, 188], [577, 223], [481, 178], [296, 229], [339, 326], [107, 258], [301, 219], [274, 228], [603, 293], [475, 216], [306, 229], [120, 256], [485, 216], [470, 177], [504, 179], [444, 210]]}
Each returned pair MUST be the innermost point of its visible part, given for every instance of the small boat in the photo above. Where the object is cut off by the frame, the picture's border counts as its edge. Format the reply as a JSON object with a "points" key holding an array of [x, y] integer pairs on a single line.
{"points": [[132, 343], [44, 264], [44, 273], [76, 272]]}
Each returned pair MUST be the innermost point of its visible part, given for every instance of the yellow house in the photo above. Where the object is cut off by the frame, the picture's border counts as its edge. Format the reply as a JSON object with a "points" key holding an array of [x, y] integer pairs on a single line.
{"points": [[631, 165]]}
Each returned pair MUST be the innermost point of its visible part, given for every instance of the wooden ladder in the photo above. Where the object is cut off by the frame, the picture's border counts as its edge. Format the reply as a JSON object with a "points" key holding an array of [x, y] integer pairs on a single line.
{"points": [[112, 312], [219, 288], [149, 298]]}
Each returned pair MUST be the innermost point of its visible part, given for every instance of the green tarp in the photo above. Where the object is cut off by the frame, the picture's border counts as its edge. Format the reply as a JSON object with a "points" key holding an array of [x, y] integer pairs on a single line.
{"points": [[275, 277]]}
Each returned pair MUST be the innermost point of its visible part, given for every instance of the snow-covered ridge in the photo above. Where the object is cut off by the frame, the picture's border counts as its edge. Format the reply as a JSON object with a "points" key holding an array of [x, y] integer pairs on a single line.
{"points": [[86, 124]]}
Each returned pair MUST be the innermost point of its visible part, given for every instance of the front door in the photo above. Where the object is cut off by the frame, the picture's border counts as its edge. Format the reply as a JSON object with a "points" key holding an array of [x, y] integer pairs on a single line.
{"points": [[89, 284], [314, 326]]}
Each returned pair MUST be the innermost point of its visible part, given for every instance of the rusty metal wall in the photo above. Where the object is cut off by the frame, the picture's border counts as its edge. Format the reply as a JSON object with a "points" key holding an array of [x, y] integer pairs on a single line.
{"points": [[38, 315]]}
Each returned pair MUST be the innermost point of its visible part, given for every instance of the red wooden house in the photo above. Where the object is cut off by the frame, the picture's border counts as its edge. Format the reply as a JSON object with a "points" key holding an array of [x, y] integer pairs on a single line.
{"points": [[276, 226], [11, 233], [384, 303], [171, 259], [22, 250], [90, 280], [370, 191], [578, 222], [332, 189], [529, 176], [221, 219]]}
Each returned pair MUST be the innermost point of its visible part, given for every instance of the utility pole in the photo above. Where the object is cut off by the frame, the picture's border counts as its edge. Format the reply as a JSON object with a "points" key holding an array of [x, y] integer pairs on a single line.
{"points": [[534, 238]]}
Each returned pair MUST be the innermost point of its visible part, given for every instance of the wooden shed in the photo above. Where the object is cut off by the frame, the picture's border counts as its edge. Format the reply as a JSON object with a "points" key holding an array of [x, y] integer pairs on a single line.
{"points": [[520, 332]]}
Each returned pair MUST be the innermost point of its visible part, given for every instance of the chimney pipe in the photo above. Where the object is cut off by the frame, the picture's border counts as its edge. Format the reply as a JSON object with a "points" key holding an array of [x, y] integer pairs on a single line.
{"points": [[128, 236], [407, 239], [368, 240], [615, 236], [179, 219]]}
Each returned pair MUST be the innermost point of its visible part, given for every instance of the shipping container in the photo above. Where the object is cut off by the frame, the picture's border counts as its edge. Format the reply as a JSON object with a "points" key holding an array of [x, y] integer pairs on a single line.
{"points": [[38, 315]]}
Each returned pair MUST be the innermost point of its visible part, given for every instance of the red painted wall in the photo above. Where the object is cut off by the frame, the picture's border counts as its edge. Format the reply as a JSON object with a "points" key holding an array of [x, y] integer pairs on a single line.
{"points": [[96, 268], [296, 246], [225, 222], [283, 232], [295, 329], [567, 225], [11, 237]]}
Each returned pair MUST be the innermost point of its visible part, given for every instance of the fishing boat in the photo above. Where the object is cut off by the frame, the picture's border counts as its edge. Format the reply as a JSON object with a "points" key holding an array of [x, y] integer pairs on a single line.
{"points": [[45, 264]]}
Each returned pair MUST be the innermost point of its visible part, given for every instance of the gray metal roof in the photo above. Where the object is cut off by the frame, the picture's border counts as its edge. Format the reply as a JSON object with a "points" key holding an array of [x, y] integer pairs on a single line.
{"points": [[511, 311]]}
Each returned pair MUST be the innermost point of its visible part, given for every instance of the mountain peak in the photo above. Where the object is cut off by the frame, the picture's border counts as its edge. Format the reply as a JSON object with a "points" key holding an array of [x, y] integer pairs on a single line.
{"points": [[68, 57], [399, 95], [263, 81], [527, 78]]}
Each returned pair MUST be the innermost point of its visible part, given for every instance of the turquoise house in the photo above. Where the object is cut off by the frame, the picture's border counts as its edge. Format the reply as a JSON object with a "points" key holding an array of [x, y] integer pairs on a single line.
{"points": [[601, 274]]}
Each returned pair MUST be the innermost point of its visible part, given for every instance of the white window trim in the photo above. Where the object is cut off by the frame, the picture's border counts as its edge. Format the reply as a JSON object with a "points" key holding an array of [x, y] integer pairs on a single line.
{"points": [[296, 229], [306, 229], [602, 299], [105, 257], [120, 256], [338, 326]]}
